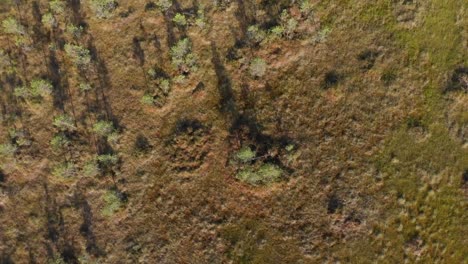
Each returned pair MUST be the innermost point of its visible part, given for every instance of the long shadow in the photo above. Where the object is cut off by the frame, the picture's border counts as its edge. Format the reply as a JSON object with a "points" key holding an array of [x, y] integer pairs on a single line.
{"points": [[138, 51], [243, 122], [86, 228], [103, 77], [58, 93], [227, 103]]}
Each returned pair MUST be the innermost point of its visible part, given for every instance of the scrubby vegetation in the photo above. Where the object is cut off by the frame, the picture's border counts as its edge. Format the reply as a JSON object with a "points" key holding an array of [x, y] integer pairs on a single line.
{"points": [[233, 131]]}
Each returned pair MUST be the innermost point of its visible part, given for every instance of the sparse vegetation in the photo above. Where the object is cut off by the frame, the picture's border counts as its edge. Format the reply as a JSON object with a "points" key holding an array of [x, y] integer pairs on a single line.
{"points": [[233, 131]]}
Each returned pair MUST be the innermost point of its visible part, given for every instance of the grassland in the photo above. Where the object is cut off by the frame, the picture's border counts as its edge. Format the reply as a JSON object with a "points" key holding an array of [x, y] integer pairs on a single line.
{"points": [[234, 132]]}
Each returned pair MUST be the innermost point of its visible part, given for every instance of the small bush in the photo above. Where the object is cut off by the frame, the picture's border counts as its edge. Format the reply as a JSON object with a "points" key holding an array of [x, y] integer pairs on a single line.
{"points": [[107, 160], [90, 169], [258, 67], [165, 86], [255, 34], [57, 6], [6, 65], [112, 203], [64, 170], [147, 99], [180, 20], [245, 154], [267, 173], [41, 87], [64, 123], [12, 26], [59, 142], [103, 128], [103, 8], [80, 56], [85, 87], [277, 31], [75, 31], [49, 21], [7, 150], [181, 55], [200, 21], [38, 88], [164, 5]]}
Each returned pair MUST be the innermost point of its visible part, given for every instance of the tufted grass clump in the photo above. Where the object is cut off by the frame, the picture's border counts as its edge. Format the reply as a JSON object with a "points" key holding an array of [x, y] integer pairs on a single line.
{"points": [[147, 99], [91, 169]]}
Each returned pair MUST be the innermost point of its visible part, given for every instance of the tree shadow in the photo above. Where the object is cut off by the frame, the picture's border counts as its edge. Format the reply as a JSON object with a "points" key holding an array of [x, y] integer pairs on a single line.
{"points": [[138, 52], [59, 95], [86, 228]]}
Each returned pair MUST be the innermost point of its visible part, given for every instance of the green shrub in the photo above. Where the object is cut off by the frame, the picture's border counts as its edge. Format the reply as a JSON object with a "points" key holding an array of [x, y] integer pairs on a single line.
{"points": [[22, 91], [255, 34], [103, 8], [147, 99], [306, 8], [181, 55], [108, 159], [74, 30], [258, 67], [90, 169], [57, 6], [6, 65], [49, 21], [200, 21], [165, 86], [40, 87], [80, 56], [289, 24], [112, 203], [64, 123], [267, 173], [103, 128], [180, 20], [164, 5], [59, 142], [12, 26], [64, 170], [277, 31], [245, 154], [85, 87], [7, 150]]}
